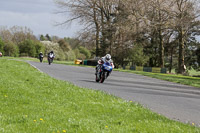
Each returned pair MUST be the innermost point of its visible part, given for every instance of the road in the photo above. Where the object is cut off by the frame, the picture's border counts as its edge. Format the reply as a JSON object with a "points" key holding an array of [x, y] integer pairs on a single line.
{"points": [[175, 101]]}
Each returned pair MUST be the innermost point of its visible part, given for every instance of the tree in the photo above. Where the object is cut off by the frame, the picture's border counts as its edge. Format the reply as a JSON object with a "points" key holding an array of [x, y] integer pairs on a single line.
{"points": [[5, 34], [55, 38], [158, 14], [85, 52], [85, 12], [10, 49], [64, 45], [71, 55], [48, 37], [16, 34], [1, 45], [27, 48], [42, 38], [185, 18], [20, 34], [137, 55], [198, 57], [116, 26], [73, 42], [39, 47]]}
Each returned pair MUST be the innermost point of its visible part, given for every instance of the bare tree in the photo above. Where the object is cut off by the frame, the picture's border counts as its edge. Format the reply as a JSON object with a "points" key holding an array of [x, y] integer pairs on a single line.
{"points": [[185, 16], [85, 11], [5, 34], [118, 25], [158, 15]]}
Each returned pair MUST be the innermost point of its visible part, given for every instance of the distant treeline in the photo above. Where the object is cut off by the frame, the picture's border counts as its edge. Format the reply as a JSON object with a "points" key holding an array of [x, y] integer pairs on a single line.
{"points": [[20, 41]]}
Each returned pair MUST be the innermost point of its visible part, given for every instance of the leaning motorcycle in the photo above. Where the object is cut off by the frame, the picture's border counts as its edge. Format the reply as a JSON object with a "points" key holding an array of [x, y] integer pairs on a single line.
{"points": [[103, 71], [50, 59]]}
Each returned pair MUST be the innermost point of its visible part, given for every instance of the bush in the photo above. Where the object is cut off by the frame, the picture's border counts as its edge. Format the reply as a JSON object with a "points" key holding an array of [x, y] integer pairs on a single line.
{"points": [[76, 52], [51, 46], [10, 49], [136, 54], [39, 48], [71, 56], [1, 45], [27, 47], [85, 52], [64, 45]]}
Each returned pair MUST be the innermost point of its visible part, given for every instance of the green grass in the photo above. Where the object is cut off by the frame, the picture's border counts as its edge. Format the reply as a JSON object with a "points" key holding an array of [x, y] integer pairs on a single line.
{"points": [[186, 80], [33, 102]]}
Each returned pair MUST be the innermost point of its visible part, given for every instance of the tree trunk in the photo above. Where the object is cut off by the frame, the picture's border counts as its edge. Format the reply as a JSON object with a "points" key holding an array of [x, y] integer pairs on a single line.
{"points": [[111, 43], [102, 32], [171, 60], [181, 53], [161, 50], [97, 40], [97, 31]]}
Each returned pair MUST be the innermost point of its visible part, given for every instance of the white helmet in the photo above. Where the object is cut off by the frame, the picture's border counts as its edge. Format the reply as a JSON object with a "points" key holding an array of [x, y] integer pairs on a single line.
{"points": [[108, 56]]}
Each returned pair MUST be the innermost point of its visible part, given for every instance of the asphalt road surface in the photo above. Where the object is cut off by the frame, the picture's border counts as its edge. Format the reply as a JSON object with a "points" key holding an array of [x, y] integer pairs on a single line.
{"points": [[175, 101]]}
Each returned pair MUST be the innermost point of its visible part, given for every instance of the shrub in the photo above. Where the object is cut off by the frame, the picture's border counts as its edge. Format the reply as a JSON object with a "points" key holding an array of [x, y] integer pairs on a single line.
{"points": [[71, 55], [10, 49], [27, 47], [1, 45], [51, 46], [136, 54], [85, 52], [39, 48]]}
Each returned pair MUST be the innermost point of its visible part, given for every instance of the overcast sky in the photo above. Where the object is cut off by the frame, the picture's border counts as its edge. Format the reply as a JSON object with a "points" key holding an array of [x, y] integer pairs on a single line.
{"points": [[38, 15]]}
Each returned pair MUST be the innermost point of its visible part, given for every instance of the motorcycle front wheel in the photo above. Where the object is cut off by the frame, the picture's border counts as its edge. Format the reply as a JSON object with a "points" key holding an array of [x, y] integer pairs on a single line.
{"points": [[49, 60], [102, 77], [97, 79]]}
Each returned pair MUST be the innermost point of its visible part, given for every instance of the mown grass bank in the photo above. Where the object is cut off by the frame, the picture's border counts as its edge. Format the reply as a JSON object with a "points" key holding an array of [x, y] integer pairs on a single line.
{"points": [[33, 102], [186, 80]]}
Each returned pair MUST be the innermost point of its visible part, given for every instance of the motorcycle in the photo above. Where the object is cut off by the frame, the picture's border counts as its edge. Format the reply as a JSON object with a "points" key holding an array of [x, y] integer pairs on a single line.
{"points": [[103, 71], [50, 58]]}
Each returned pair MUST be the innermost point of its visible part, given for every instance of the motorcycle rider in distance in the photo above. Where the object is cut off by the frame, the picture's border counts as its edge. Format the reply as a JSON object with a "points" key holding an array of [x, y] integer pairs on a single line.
{"points": [[41, 56], [51, 55], [102, 60]]}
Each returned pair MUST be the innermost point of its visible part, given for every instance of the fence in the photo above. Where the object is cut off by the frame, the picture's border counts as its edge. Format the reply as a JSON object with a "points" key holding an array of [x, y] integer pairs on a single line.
{"points": [[146, 69]]}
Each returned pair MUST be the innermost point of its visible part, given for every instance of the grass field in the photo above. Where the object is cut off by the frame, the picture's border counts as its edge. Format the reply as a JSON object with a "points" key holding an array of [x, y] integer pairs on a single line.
{"points": [[33, 102]]}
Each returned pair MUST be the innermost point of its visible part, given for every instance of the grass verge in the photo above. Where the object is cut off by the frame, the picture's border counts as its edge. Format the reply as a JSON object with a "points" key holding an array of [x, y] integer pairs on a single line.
{"points": [[33, 102], [186, 80]]}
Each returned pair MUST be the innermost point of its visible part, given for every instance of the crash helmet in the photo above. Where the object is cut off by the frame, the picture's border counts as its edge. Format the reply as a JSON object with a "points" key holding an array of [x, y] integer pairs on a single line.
{"points": [[108, 56]]}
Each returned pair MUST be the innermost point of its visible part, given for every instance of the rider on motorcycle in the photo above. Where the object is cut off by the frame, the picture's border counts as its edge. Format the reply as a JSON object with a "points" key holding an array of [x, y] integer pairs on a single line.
{"points": [[51, 55], [102, 60]]}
